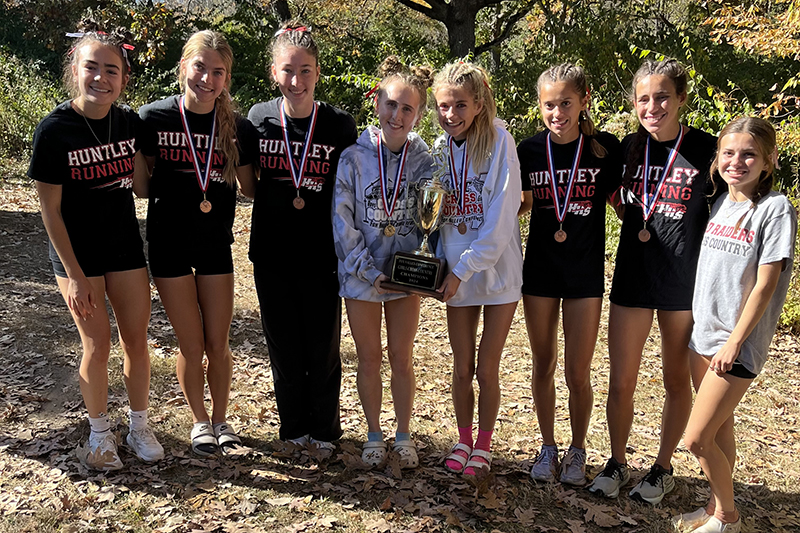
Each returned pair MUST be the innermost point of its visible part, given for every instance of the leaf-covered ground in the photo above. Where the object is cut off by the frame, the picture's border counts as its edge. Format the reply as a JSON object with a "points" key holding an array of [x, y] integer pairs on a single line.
{"points": [[44, 488]]}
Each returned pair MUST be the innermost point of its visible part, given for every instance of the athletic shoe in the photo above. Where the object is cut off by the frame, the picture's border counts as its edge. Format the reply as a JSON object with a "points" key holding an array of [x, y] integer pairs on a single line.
{"points": [[545, 467], [690, 521], [608, 482], [654, 486], [144, 443], [714, 525], [573, 467], [103, 453]]}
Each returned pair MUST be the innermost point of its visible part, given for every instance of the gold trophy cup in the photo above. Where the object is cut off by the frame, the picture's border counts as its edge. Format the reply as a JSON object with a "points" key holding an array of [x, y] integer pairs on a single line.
{"points": [[419, 271]]}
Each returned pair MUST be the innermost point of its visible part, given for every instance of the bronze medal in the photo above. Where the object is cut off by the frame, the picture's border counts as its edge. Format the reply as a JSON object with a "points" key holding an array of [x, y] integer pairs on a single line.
{"points": [[389, 230], [560, 236], [298, 203], [462, 228], [205, 206], [644, 235]]}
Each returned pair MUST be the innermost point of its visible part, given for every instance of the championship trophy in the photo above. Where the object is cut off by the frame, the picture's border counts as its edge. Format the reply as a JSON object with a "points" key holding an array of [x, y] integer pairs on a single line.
{"points": [[419, 271]]}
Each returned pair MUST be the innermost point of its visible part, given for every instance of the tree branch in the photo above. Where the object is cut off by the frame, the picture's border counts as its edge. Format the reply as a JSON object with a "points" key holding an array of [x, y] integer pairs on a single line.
{"points": [[509, 26], [437, 11]]}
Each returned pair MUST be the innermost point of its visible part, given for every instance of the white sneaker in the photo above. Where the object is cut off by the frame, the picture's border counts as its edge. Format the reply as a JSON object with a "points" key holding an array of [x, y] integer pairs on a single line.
{"points": [[573, 467], [714, 525], [144, 443], [609, 481], [654, 486], [690, 521], [103, 453], [545, 467]]}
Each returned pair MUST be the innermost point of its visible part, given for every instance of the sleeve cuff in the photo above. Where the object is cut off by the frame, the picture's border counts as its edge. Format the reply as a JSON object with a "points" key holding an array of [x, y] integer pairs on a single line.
{"points": [[461, 272]]}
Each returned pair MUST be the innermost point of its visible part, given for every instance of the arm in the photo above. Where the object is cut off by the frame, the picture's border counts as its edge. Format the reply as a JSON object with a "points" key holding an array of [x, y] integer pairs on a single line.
{"points": [[527, 203], [246, 177], [504, 190], [80, 296], [754, 307], [349, 242], [142, 172]]}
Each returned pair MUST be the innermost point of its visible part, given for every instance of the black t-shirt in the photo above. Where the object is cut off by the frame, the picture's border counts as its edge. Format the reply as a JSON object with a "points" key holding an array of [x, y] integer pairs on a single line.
{"points": [[95, 171], [659, 273], [297, 239], [573, 268], [173, 214]]}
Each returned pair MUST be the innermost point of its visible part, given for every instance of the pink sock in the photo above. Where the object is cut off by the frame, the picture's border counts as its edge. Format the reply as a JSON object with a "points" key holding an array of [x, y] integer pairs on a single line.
{"points": [[484, 443], [464, 437]]}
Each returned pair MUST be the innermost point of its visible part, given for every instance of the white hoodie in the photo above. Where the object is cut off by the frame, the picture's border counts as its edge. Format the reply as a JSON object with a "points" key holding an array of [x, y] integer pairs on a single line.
{"points": [[359, 218], [488, 257]]}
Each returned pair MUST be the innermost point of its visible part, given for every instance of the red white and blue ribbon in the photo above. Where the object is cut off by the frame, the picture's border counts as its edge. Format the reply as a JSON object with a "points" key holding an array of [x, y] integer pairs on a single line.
{"points": [[388, 207], [561, 209], [202, 177], [459, 190], [298, 171], [650, 201]]}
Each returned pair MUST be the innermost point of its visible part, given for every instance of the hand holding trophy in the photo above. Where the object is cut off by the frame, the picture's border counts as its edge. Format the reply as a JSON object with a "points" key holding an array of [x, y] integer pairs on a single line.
{"points": [[419, 271]]}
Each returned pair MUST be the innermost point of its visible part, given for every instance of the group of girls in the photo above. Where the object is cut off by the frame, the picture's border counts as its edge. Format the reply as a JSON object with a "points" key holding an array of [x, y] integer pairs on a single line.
{"points": [[298, 157]]}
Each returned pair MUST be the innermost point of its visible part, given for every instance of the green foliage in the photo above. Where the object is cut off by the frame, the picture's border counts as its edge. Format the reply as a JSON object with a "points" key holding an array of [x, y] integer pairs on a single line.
{"points": [[28, 95], [790, 318]]}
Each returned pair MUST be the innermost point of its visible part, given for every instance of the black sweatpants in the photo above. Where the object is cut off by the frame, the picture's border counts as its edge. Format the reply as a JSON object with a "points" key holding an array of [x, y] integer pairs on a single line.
{"points": [[302, 321]]}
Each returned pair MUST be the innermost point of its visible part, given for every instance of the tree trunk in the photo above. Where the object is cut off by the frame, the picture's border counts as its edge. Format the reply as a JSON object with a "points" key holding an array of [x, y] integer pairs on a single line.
{"points": [[281, 10], [460, 25]]}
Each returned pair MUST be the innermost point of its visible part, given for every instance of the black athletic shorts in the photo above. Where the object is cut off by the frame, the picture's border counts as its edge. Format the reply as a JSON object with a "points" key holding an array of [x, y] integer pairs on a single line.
{"points": [[101, 263], [172, 260], [740, 371]]}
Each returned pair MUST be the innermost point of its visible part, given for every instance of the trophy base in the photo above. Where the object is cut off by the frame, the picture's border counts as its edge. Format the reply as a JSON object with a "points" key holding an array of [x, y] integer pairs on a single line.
{"points": [[416, 274]]}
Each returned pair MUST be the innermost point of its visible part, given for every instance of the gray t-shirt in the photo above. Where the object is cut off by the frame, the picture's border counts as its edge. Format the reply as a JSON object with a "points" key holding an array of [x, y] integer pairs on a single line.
{"points": [[726, 273]]}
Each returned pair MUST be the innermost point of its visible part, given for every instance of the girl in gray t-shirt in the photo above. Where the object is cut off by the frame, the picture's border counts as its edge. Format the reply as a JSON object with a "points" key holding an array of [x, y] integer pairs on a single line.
{"points": [[742, 278]]}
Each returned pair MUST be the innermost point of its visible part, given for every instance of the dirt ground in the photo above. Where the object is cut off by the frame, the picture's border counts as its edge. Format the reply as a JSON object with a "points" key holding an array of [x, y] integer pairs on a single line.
{"points": [[44, 488]]}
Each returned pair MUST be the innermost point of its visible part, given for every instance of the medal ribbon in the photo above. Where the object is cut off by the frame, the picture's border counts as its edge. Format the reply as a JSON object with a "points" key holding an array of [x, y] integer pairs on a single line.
{"points": [[202, 177], [387, 207], [460, 192], [650, 202], [561, 210], [297, 172]]}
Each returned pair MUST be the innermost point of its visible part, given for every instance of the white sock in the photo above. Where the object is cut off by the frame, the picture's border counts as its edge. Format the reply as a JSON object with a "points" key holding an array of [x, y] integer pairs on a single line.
{"points": [[137, 419], [100, 424]]}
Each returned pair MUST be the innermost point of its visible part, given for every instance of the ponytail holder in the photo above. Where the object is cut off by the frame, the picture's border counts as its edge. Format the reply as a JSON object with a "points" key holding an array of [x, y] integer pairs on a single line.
{"points": [[76, 34], [284, 30], [486, 83], [374, 90]]}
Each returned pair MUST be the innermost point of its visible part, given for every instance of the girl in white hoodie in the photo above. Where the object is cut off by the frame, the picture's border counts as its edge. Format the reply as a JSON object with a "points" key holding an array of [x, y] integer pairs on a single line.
{"points": [[481, 241], [371, 221]]}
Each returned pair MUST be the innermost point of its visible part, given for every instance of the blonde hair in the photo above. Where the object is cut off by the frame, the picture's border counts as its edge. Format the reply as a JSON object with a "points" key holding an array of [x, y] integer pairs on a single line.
{"points": [[92, 33], [482, 134], [575, 77], [226, 114], [418, 78]]}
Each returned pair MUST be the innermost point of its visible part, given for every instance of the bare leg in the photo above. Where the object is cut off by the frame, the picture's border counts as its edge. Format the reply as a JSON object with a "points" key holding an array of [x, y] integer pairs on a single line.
{"points": [[215, 295], [129, 294], [676, 330], [95, 334], [496, 323], [462, 328], [628, 328], [581, 323], [402, 320], [541, 319], [365, 325], [179, 296]]}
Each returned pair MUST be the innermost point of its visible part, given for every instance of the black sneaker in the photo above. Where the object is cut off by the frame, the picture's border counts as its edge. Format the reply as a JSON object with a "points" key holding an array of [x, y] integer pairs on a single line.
{"points": [[654, 486], [608, 482]]}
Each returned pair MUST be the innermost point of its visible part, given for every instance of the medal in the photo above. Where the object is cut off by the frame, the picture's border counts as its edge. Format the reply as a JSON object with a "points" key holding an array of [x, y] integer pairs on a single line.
{"points": [[460, 192], [298, 171], [202, 177], [561, 209], [650, 201], [388, 207]]}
